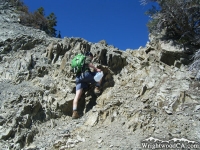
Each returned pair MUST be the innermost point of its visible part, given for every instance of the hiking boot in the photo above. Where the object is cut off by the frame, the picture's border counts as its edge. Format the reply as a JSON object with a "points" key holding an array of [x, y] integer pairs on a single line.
{"points": [[75, 115], [97, 90]]}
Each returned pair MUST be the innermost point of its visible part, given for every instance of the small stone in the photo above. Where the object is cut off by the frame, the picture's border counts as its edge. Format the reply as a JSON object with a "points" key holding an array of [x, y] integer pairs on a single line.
{"points": [[100, 141], [63, 148], [194, 124], [168, 110], [80, 139], [111, 146], [72, 145], [197, 107]]}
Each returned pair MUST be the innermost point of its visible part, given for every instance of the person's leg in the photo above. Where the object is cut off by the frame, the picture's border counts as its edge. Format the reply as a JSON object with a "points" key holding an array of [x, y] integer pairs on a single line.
{"points": [[80, 85], [77, 97], [99, 83], [97, 90], [79, 90], [75, 114]]}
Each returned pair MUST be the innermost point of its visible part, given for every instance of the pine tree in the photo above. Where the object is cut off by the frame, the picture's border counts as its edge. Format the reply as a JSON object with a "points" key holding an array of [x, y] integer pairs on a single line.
{"points": [[39, 19], [36, 19], [41, 11], [59, 35], [51, 23]]}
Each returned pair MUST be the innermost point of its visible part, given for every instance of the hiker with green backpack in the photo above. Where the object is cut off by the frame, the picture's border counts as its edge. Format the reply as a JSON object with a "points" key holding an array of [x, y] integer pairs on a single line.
{"points": [[81, 65]]}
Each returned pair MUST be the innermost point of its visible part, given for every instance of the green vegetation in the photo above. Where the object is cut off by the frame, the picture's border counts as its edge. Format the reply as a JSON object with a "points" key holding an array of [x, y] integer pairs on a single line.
{"points": [[179, 19], [51, 23], [36, 19]]}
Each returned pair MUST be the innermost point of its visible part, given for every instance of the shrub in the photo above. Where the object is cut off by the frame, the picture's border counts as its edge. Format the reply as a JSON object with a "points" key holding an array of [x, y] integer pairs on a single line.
{"points": [[36, 19], [180, 20]]}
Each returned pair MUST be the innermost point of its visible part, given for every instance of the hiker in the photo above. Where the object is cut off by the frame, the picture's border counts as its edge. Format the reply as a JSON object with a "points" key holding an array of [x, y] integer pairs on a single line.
{"points": [[83, 80]]}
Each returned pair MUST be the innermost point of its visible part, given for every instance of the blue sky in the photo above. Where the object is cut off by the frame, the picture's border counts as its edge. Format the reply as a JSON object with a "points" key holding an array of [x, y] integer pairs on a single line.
{"points": [[121, 23]]}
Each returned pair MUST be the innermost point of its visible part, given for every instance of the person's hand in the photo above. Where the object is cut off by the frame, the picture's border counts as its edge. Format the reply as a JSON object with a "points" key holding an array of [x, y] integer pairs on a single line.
{"points": [[98, 70]]}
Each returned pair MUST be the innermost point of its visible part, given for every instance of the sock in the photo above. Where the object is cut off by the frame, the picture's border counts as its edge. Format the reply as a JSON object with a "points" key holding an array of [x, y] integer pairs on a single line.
{"points": [[74, 108]]}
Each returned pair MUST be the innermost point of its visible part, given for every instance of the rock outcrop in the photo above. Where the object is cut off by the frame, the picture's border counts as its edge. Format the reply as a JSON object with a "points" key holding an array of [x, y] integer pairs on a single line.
{"points": [[148, 92]]}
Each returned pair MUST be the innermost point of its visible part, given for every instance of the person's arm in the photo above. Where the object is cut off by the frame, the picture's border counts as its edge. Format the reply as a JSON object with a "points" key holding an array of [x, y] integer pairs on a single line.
{"points": [[92, 66]]}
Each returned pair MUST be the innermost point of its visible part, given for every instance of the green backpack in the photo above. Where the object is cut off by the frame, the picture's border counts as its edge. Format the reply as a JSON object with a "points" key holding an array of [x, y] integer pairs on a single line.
{"points": [[77, 63]]}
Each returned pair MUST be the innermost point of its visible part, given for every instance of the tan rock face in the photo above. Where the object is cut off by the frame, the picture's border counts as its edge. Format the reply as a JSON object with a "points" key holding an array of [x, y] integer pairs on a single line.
{"points": [[147, 92]]}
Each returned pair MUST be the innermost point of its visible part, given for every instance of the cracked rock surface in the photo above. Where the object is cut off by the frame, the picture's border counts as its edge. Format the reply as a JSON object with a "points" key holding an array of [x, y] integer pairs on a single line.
{"points": [[144, 92]]}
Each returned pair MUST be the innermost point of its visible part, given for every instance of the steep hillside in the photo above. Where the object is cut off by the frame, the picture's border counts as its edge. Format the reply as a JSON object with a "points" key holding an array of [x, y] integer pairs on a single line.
{"points": [[146, 93]]}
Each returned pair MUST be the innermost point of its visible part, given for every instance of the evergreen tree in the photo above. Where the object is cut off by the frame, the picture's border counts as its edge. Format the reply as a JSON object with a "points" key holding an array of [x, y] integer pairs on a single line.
{"points": [[41, 11], [36, 19], [59, 35], [40, 20], [51, 23]]}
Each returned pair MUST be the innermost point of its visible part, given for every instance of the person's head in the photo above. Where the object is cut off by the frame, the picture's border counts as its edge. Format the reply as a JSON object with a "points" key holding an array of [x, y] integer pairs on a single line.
{"points": [[89, 54]]}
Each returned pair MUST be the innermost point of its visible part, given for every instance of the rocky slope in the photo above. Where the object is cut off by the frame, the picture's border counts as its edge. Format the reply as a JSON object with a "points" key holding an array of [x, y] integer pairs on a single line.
{"points": [[147, 92]]}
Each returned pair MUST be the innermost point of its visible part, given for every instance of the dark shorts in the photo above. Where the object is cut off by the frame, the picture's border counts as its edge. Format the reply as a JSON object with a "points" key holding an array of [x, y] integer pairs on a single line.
{"points": [[84, 80]]}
